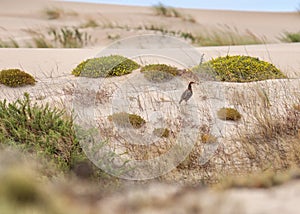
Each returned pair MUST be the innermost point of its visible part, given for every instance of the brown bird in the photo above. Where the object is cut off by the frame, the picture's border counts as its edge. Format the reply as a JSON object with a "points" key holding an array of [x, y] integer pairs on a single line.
{"points": [[186, 95]]}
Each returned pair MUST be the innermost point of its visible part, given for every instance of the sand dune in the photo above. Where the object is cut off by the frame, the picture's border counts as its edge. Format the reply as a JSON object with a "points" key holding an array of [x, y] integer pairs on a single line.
{"points": [[52, 68]]}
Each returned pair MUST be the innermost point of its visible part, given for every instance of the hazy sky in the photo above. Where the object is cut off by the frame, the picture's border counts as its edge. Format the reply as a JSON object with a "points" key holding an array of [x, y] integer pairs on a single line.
{"points": [[252, 5]]}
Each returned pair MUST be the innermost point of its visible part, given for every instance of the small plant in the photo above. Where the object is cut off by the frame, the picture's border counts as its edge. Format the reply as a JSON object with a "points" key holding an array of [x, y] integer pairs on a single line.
{"points": [[239, 69], [39, 129], [296, 107], [229, 114], [159, 72], [53, 13], [113, 36], [91, 23], [162, 10], [41, 42], [16, 78], [12, 43], [124, 119], [291, 37], [189, 18], [106, 66], [227, 36], [161, 132], [69, 37], [208, 138]]}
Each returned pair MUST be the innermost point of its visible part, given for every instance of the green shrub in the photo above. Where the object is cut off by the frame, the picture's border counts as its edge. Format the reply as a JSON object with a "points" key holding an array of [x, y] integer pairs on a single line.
{"points": [[16, 78], [124, 119], [161, 132], [40, 129], [159, 72], [239, 69], [105, 66], [229, 114]]}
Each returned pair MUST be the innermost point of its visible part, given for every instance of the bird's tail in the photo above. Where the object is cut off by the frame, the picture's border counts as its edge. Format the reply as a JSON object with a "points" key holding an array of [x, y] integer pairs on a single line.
{"points": [[180, 101]]}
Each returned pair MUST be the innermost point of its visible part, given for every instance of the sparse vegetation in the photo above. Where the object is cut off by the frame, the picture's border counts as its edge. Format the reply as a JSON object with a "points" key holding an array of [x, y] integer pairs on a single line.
{"points": [[91, 23], [239, 69], [69, 37], [162, 10], [229, 114], [53, 13], [42, 130], [16, 78], [161, 132], [266, 179], [227, 36], [41, 42], [124, 119], [290, 37], [113, 36], [159, 72], [208, 138], [106, 66], [11, 43]]}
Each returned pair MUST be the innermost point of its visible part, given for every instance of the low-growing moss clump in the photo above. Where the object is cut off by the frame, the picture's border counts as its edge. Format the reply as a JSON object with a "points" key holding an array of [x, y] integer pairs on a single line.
{"points": [[159, 72], [161, 132], [39, 129], [105, 66], [124, 119], [229, 114], [239, 69], [16, 78]]}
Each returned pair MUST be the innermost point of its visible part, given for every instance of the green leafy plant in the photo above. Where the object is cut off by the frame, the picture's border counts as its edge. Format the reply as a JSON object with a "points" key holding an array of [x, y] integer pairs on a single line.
{"points": [[106, 66], [16, 78], [239, 69], [161, 132], [229, 114], [40, 129], [159, 72], [124, 119]]}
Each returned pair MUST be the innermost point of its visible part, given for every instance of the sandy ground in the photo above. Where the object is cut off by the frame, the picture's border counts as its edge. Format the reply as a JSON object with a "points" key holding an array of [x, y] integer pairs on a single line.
{"points": [[120, 21], [52, 69]]}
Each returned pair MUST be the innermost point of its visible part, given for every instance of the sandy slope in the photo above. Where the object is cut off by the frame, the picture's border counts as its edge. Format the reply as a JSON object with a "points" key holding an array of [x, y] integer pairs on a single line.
{"points": [[17, 16]]}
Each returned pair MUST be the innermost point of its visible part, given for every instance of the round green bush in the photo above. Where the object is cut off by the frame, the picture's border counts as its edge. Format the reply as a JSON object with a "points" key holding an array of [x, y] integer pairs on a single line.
{"points": [[16, 78], [239, 69], [124, 119], [105, 66], [159, 72], [229, 114]]}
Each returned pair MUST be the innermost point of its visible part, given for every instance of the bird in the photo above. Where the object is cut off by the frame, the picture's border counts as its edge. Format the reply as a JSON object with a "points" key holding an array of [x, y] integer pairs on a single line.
{"points": [[186, 95]]}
